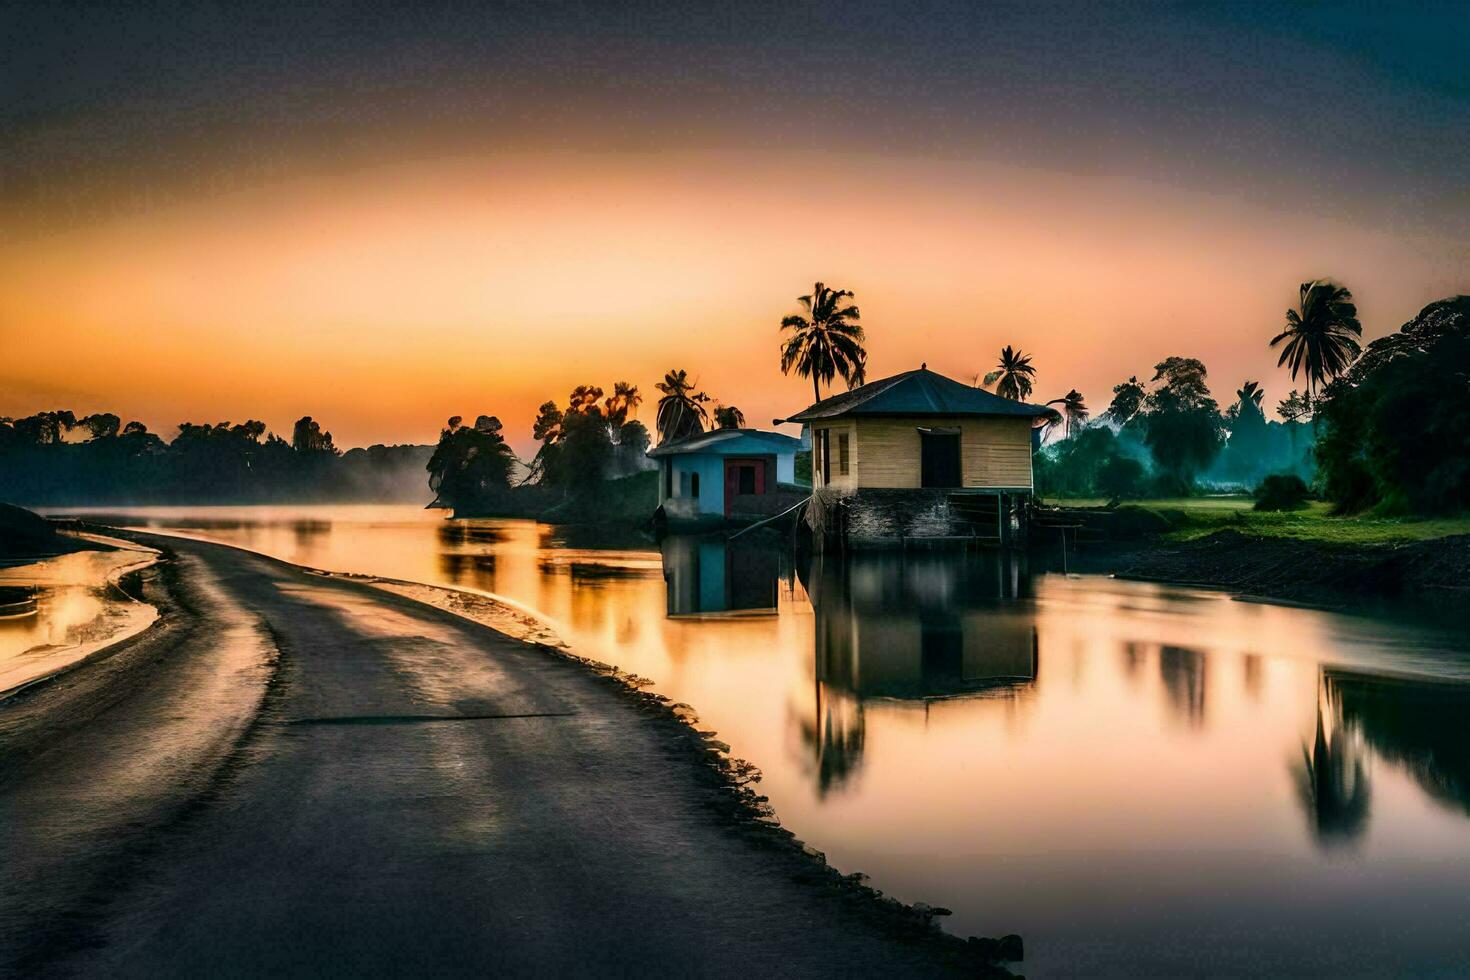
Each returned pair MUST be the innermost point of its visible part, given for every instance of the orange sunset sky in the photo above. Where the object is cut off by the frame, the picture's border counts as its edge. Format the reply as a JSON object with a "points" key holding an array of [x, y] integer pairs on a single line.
{"points": [[489, 275]]}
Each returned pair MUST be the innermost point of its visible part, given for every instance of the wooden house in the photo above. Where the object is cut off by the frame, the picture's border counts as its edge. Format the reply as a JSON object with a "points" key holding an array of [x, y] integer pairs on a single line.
{"points": [[920, 456]]}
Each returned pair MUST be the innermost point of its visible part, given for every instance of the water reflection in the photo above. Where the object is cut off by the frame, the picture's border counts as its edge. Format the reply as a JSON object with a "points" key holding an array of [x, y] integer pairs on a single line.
{"points": [[1183, 673], [922, 626], [707, 575], [1332, 778]]}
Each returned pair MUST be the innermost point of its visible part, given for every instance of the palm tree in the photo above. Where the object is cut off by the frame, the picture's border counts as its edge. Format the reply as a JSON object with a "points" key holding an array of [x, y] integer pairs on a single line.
{"points": [[1074, 410], [681, 411], [1252, 392], [729, 417], [1014, 373], [623, 401], [827, 341], [1321, 333]]}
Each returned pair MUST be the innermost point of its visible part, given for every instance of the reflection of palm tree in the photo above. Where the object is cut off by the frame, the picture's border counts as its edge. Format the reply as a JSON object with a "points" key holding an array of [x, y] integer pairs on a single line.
{"points": [[1332, 783], [1183, 672], [834, 738], [827, 340], [1013, 375], [1321, 333]]}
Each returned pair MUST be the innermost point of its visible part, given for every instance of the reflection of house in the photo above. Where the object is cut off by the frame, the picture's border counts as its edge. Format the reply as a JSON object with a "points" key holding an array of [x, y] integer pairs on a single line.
{"points": [[919, 455], [921, 625], [710, 575], [727, 474]]}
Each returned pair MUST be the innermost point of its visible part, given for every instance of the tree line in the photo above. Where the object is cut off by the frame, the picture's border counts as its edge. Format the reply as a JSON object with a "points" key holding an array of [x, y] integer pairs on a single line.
{"points": [[59, 458]]}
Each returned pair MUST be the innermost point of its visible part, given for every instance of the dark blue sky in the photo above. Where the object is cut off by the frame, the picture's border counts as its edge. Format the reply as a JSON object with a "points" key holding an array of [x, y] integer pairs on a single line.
{"points": [[1362, 107]]}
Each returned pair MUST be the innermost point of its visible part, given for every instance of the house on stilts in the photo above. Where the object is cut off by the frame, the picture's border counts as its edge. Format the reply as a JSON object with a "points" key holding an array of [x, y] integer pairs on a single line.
{"points": [[919, 457]]}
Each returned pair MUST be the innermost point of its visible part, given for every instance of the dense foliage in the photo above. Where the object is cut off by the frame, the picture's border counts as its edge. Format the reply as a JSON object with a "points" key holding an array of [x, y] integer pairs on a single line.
{"points": [[1167, 438], [593, 439], [471, 464], [1396, 427], [59, 459]]}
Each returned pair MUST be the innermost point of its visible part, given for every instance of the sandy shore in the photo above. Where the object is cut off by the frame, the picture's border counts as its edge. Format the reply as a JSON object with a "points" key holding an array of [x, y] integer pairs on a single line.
{"points": [[299, 773]]}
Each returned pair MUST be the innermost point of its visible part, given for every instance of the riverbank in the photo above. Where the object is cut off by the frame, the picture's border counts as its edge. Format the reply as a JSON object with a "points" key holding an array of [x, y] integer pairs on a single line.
{"points": [[407, 753], [1304, 570]]}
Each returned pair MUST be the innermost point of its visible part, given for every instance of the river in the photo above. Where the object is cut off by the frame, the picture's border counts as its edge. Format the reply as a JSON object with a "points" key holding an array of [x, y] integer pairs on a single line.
{"points": [[1139, 779]]}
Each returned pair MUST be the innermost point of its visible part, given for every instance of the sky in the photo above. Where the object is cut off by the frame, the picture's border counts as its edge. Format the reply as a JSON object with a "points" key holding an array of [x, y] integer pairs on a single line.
{"points": [[385, 215]]}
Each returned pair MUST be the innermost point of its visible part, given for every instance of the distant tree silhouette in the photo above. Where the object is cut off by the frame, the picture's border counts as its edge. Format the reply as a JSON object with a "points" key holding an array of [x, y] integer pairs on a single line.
{"points": [[470, 468], [1321, 334], [58, 458], [592, 440], [729, 417], [622, 403], [1182, 424], [826, 340], [1074, 410], [102, 425], [681, 410], [308, 437], [1013, 376], [1127, 401], [1247, 450]]}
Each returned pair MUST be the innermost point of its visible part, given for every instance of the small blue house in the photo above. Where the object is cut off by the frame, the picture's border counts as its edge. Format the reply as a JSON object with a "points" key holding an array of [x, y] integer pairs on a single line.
{"points": [[727, 474]]}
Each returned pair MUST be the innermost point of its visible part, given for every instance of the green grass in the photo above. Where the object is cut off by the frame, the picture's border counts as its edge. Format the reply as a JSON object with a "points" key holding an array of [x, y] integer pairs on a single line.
{"points": [[1196, 517]]}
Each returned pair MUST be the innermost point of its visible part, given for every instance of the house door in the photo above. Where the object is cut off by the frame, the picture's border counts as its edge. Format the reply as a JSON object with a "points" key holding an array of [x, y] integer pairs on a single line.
{"points": [[939, 459], [743, 477]]}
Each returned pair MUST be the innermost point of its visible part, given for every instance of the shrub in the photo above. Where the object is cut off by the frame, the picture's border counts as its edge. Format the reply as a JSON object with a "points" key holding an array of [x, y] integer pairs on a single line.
{"points": [[1282, 491]]}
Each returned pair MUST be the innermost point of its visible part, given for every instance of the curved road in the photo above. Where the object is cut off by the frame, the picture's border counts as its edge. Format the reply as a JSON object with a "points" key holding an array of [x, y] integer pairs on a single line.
{"points": [[292, 774]]}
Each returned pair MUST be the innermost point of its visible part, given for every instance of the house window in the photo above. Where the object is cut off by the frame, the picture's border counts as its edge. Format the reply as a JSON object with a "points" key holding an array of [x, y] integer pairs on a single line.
{"points": [[747, 479], [939, 458], [842, 453], [694, 484], [668, 478], [824, 440]]}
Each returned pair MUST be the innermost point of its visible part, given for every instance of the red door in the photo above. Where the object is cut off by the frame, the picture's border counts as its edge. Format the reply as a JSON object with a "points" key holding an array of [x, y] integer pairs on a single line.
{"points": [[743, 478]]}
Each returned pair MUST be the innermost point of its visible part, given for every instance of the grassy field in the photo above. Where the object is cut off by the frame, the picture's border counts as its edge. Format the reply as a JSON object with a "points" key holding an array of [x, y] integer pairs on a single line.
{"points": [[1195, 517]]}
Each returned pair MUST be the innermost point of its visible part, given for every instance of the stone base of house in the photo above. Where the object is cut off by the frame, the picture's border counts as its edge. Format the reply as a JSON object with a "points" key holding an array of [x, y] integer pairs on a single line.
{"points": [[882, 518]]}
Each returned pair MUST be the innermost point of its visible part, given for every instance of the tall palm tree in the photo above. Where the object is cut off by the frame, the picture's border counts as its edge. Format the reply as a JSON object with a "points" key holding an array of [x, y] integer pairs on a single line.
{"points": [[826, 340], [1014, 373], [1321, 333], [681, 411], [1074, 410]]}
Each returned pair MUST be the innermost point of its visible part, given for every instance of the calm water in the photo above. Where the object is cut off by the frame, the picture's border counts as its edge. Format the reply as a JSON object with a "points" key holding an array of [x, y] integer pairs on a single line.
{"points": [[1137, 778]]}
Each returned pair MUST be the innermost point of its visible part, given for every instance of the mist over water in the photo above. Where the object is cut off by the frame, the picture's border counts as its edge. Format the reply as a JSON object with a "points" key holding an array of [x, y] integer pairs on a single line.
{"points": [[1137, 778]]}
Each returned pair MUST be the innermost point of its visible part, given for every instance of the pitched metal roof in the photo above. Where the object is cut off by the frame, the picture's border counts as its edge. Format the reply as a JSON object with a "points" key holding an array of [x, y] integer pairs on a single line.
{"points": [[920, 392], [713, 442]]}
